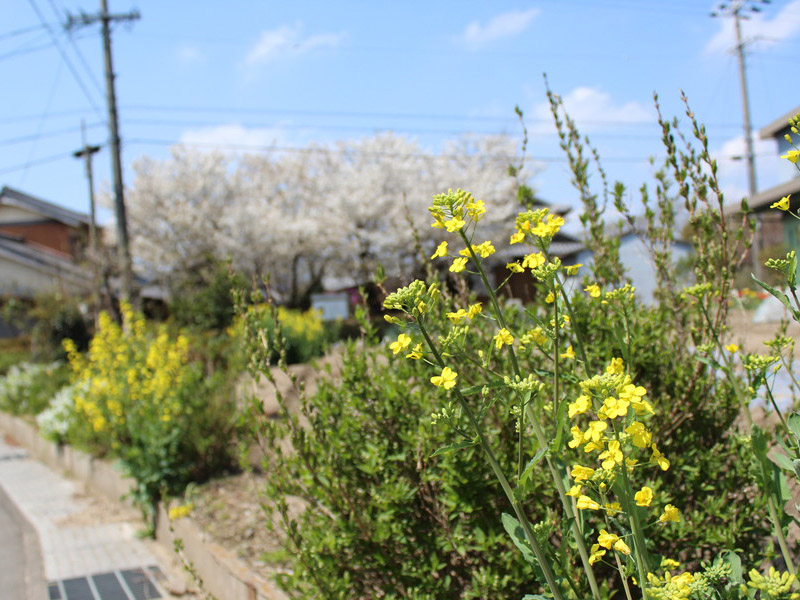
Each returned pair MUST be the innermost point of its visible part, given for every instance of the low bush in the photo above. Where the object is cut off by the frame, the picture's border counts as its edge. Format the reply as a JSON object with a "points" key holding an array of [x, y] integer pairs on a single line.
{"points": [[26, 389], [298, 336]]}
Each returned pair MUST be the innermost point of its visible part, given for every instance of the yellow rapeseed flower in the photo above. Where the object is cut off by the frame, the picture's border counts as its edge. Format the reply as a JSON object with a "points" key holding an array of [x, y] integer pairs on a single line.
{"points": [[517, 237], [180, 511], [612, 456], [416, 352], [569, 353], [783, 203], [458, 265], [458, 316], [596, 554], [474, 309], [550, 298], [792, 156], [531, 261], [475, 210], [606, 540], [572, 269], [403, 341], [658, 459], [515, 267], [732, 348], [484, 249], [670, 513], [502, 338], [586, 503], [593, 290], [441, 250], [447, 379], [621, 547], [580, 473], [454, 224], [644, 496], [581, 405]]}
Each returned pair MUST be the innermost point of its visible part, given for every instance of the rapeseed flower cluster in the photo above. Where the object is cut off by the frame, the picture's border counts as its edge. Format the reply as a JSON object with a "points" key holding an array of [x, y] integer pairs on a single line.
{"points": [[128, 373], [611, 431]]}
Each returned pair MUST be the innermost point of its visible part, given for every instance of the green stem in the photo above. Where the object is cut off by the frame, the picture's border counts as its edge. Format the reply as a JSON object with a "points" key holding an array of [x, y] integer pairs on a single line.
{"points": [[498, 472], [787, 557], [728, 368], [539, 433]]}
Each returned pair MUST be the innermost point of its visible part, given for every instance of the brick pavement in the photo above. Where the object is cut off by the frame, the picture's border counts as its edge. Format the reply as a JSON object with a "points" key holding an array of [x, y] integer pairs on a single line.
{"points": [[74, 542]]}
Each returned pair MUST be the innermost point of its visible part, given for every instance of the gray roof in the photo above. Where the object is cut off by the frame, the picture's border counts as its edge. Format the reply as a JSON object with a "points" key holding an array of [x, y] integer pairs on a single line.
{"points": [[778, 125], [762, 200], [12, 197], [39, 258]]}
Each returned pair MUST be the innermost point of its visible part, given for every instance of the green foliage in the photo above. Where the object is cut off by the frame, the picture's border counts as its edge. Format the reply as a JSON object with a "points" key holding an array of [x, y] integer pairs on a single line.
{"points": [[383, 516], [26, 389], [396, 503], [206, 305], [297, 337], [57, 318], [137, 397], [14, 351]]}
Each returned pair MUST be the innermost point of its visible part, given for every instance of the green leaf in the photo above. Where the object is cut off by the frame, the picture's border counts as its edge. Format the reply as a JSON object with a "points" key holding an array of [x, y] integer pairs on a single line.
{"points": [[783, 461], [794, 424], [514, 529], [532, 463], [455, 447], [779, 295], [562, 423]]}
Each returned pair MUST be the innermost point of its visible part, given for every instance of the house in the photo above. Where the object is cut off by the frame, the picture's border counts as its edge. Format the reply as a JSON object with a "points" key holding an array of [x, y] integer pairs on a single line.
{"points": [[636, 260], [41, 246], [776, 227]]}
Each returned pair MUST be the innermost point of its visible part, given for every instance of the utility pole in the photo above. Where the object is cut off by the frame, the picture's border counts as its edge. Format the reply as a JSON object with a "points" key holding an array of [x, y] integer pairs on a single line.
{"points": [[86, 153], [124, 253], [738, 9]]}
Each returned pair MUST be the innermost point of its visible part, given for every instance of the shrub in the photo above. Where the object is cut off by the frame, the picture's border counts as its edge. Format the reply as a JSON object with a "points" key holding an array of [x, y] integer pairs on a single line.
{"points": [[137, 397], [404, 466], [57, 318], [300, 336], [206, 304], [28, 387], [14, 351]]}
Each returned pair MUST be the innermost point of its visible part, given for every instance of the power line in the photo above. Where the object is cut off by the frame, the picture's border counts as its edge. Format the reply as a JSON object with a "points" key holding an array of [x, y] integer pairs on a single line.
{"points": [[57, 132], [17, 32], [64, 56], [389, 115], [33, 163]]}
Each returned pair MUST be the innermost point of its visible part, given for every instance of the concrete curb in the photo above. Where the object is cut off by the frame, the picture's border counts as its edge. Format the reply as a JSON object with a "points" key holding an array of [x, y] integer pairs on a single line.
{"points": [[222, 574]]}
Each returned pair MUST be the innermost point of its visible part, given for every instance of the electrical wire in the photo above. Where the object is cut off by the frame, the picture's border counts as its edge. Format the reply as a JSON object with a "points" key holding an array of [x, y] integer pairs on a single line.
{"points": [[65, 58]]}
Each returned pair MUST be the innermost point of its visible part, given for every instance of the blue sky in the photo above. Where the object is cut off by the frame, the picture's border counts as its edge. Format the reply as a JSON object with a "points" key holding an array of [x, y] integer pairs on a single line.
{"points": [[256, 74]]}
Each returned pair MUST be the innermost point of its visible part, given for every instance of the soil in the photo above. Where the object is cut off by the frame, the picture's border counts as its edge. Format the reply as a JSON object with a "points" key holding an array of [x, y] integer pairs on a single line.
{"points": [[230, 509]]}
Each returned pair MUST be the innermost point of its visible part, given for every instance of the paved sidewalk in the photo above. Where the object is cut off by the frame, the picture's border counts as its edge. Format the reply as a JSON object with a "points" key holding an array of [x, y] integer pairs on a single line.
{"points": [[84, 555]]}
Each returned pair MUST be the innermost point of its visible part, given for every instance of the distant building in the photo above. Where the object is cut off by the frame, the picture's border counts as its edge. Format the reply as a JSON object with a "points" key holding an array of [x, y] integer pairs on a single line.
{"points": [[41, 246], [637, 261], [776, 227]]}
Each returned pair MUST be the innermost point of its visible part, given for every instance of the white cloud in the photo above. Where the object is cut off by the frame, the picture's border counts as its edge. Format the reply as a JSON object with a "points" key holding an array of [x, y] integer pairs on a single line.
{"points": [[188, 54], [233, 136], [501, 26], [766, 31], [591, 109], [288, 41]]}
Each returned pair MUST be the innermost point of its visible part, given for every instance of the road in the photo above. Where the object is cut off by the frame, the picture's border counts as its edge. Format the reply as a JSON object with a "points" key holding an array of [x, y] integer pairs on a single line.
{"points": [[22, 574]]}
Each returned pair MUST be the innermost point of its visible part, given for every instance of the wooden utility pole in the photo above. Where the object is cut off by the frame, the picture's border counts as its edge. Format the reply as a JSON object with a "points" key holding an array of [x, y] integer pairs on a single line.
{"points": [[86, 153], [124, 253], [738, 9]]}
